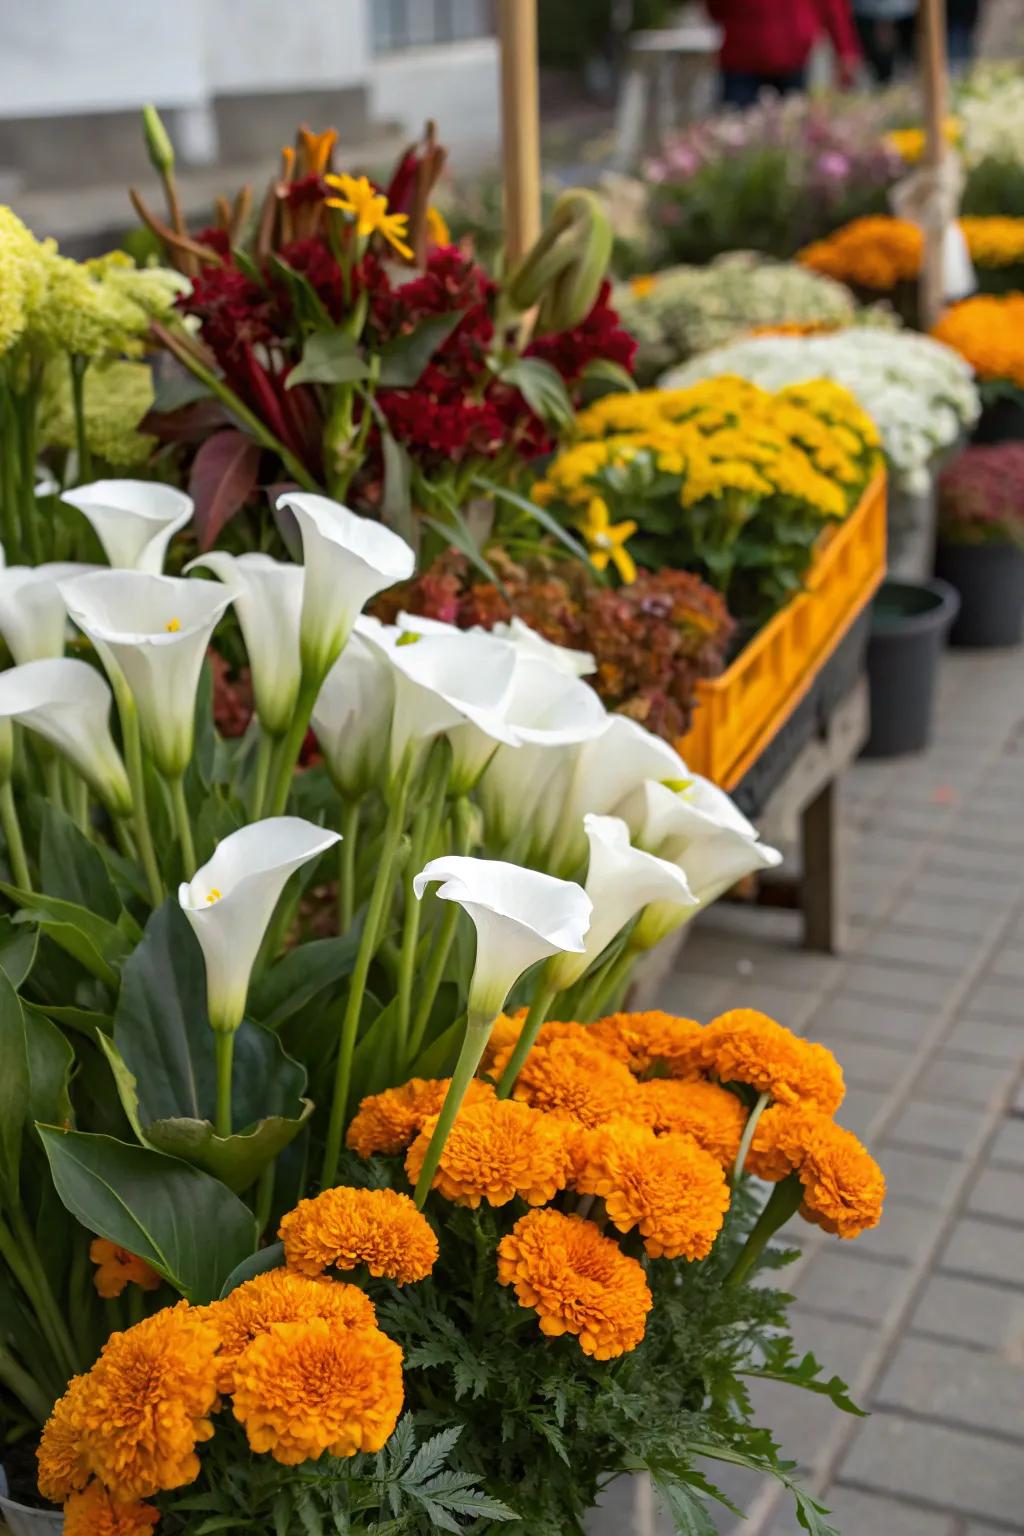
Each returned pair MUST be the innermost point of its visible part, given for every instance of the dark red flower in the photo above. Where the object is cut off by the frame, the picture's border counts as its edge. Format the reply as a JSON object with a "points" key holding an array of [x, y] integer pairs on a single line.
{"points": [[599, 335]]}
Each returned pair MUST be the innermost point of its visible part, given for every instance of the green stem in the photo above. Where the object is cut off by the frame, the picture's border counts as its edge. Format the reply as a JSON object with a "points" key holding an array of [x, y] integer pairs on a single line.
{"points": [[264, 757], [9, 475], [29, 510], [52, 779], [429, 815], [183, 826], [137, 780], [136, 1304], [291, 744], [78, 366], [443, 939], [379, 896], [603, 987], [474, 1042], [17, 1380], [758, 1110], [12, 833], [347, 864], [785, 1200], [76, 797], [539, 1008], [224, 1044]]}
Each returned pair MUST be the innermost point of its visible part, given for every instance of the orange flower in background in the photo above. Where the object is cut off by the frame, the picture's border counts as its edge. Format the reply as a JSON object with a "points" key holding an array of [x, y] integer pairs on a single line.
{"points": [[575, 1077], [116, 1268], [712, 1115], [505, 1031], [555, 1029], [63, 1467], [346, 1227], [667, 1187], [386, 1123], [874, 252], [95, 1513], [496, 1150], [988, 331], [652, 1039], [844, 1188], [745, 1046], [281, 1296], [577, 1281], [145, 1404], [305, 1388]]}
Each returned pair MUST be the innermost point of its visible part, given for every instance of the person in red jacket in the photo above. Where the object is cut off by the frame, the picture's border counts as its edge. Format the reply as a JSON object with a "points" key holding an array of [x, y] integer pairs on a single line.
{"points": [[766, 44]]}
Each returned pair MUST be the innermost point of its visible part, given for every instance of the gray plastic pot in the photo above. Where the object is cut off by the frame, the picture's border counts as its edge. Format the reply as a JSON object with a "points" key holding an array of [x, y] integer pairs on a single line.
{"points": [[909, 624], [23, 1521]]}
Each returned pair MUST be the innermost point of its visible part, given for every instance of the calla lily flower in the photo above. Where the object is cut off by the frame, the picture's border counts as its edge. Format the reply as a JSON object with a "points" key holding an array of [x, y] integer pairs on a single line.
{"points": [[267, 596], [151, 633], [134, 519], [347, 560], [621, 882], [229, 903], [532, 643], [665, 817], [520, 916], [68, 703], [33, 616], [352, 717], [712, 865]]}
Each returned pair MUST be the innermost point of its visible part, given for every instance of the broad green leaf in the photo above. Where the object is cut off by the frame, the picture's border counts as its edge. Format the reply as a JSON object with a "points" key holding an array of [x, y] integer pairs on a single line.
{"points": [[176, 390], [457, 534], [605, 371], [542, 387], [304, 296], [403, 360], [301, 974], [236, 1160], [86, 1021], [51, 1061], [93, 941], [14, 1087], [18, 943], [72, 868], [396, 499], [124, 1082], [329, 357], [271, 1257], [188, 1226], [529, 508]]}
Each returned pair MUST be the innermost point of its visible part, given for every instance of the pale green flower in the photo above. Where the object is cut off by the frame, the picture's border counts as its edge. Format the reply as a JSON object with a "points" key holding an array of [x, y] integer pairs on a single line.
{"points": [[117, 396], [21, 277]]}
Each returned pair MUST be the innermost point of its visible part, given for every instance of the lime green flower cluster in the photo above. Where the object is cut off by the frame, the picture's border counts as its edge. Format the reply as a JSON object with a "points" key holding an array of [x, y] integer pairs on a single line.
{"points": [[101, 308], [21, 278], [115, 397]]}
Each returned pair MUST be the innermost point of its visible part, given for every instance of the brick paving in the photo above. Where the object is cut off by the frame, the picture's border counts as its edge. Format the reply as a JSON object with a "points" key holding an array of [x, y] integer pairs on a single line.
{"points": [[925, 1316]]}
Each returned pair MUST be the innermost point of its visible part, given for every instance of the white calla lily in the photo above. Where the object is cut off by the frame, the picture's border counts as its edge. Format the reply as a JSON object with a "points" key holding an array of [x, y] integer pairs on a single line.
{"points": [[229, 903], [134, 519], [520, 916], [346, 560], [152, 633], [662, 817], [532, 643], [68, 703], [33, 615], [621, 882], [712, 866], [267, 597], [352, 717]]}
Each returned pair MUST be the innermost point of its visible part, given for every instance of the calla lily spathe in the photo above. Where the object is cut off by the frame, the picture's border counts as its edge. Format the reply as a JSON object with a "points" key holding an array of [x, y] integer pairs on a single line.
{"points": [[665, 817], [68, 703], [267, 596], [33, 615], [151, 633], [621, 882], [134, 519], [229, 903], [346, 561], [352, 717], [520, 916], [532, 643]]}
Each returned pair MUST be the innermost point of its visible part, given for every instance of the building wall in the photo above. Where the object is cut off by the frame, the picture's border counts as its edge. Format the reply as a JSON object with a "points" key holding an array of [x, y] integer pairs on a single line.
{"points": [[457, 84]]}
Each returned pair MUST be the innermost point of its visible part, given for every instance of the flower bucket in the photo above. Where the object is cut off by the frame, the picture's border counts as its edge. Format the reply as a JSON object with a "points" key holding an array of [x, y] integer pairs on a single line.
{"points": [[909, 624], [23, 1521], [990, 581]]}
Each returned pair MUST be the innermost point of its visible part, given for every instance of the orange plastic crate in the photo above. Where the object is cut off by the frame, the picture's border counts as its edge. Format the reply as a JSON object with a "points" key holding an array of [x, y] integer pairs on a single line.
{"points": [[739, 712]]}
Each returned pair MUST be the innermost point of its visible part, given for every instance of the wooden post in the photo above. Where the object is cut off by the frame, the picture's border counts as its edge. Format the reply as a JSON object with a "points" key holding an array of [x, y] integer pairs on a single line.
{"points": [[936, 103], [520, 124]]}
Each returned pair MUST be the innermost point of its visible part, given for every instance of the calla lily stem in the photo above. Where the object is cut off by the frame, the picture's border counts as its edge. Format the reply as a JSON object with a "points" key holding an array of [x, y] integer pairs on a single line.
{"points": [[183, 826], [224, 1047], [474, 1043], [12, 834], [291, 745], [443, 939], [347, 849], [429, 815], [264, 758], [137, 781], [785, 1200], [544, 997]]}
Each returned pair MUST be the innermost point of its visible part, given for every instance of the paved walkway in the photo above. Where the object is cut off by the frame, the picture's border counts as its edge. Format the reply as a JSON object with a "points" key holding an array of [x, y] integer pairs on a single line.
{"points": [[924, 1317]]}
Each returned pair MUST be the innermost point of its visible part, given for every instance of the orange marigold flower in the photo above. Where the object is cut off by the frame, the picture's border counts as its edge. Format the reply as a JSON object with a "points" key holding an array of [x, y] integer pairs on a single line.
{"points": [[844, 1188], [666, 1186], [63, 1465], [281, 1296], [505, 1031], [345, 1227], [144, 1406], [554, 1029], [986, 330], [575, 1077], [496, 1150], [388, 1122], [95, 1513], [117, 1267], [652, 1039], [745, 1046], [712, 1115], [305, 1388], [874, 252], [577, 1280]]}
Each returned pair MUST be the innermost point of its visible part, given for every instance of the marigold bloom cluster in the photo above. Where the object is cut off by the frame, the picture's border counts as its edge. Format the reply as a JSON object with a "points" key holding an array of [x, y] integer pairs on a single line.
{"points": [[386, 1123], [988, 331], [576, 1078], [497, 1149], [256, 1306], [116, 1268], [651, 1040], [875, 252], [712, 1115], [844, 1188], [95, 1513], [745, 1046], [577, 1280], [344, 1228]]}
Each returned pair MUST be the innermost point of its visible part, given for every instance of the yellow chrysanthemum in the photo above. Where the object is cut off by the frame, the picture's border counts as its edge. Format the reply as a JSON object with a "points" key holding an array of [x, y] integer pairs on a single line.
{"points": [[305, 1388], [346, 1227], [575, 1077], [145, 1404], [386, 1123], [712, 1115], [745, 1046], [368, 208], [95, 1513], [652, 1040], [63, 1466], [281, 1296], [667, 1187], [577, 1281], [116, 1268], [496, 1150], [844, 1188], [994, 242]]}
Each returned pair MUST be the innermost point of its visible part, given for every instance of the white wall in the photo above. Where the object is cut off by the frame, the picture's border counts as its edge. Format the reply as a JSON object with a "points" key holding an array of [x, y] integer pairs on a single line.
{"points": [[255, 43], [458, 84]]}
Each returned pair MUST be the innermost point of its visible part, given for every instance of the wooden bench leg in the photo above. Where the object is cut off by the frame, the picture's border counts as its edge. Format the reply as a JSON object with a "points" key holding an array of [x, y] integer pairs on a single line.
{"points": [[820, 889]]}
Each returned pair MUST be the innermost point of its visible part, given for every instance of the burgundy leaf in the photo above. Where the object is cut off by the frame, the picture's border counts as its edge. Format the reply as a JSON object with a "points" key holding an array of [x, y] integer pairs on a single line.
{"points": [[191, 424], [223, 478]]}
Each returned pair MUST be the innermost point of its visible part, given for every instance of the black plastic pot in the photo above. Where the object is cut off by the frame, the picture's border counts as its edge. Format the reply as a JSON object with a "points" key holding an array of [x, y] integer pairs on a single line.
{"points": [[1001, 421], [990, 581], [909, 624]]}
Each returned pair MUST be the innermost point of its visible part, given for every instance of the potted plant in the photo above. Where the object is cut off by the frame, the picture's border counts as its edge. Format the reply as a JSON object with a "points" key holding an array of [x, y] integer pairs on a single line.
{"points": [[981, 543], [986, 331]]}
